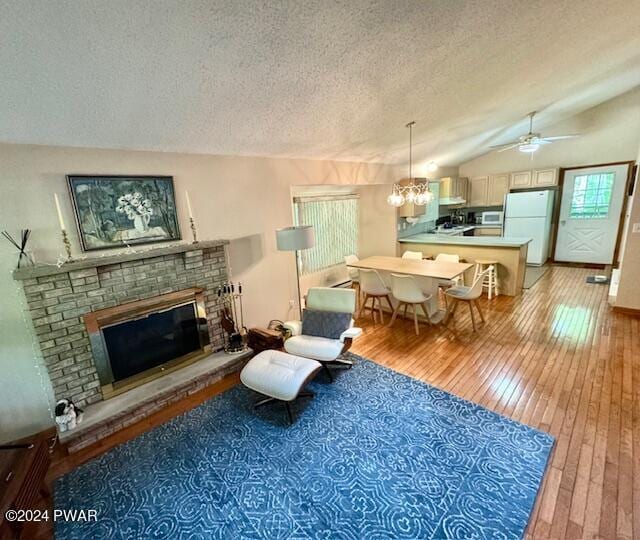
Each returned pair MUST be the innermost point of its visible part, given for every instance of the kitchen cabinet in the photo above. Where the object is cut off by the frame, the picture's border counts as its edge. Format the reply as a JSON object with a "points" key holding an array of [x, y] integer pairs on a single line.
{"points": [[520, 180], [498, 187], [537, 178], [487, 231], [545, 178], [478, 191], [488, 190], [409, 209]]}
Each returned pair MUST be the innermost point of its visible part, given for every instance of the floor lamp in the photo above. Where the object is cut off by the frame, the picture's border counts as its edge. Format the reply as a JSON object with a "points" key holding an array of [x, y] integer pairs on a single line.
{"points": [[296, 239]]}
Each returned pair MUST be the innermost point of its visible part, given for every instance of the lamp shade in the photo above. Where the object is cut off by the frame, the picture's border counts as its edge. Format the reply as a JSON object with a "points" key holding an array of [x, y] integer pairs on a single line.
{"points": [[295, 238]]}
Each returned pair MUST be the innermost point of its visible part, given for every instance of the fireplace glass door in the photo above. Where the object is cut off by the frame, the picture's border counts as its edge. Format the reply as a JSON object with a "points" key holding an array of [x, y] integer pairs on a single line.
{"points": [[149, 341]]}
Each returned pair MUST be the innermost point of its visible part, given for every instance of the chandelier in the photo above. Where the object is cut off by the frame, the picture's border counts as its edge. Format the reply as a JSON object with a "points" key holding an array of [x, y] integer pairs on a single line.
{"points": [[412, 192]]}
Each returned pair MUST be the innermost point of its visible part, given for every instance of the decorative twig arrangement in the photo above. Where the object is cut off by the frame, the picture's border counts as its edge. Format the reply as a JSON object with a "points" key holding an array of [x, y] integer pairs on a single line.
{"points": [[21, 247]]}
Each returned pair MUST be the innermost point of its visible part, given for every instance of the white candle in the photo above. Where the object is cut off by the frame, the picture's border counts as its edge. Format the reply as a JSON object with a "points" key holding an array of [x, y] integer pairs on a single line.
{"points": [[60, 219], [186, 193]]}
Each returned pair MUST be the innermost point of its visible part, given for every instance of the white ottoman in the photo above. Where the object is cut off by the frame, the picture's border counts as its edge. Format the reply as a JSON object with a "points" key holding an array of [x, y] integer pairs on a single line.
{"points": [[280, 376]]}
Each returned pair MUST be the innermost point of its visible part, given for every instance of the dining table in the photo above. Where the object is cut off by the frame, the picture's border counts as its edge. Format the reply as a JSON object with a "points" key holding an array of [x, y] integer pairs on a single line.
{"points": [[427, 274]]}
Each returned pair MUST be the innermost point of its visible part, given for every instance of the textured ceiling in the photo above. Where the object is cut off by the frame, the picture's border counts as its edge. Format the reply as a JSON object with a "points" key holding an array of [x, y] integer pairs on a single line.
{"points": [[308, 79]]}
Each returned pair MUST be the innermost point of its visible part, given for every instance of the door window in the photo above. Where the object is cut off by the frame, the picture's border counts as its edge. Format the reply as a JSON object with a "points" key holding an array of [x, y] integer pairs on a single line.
{"points": [[592, 196]]}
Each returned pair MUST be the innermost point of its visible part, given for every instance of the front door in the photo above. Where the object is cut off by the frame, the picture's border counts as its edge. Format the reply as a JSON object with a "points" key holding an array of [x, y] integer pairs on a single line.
{"points": [[590, 214]]}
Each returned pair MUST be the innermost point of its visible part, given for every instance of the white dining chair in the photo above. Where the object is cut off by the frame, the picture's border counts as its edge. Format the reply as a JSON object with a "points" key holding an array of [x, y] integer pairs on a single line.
{"points": [[407, 292], [417, 255], [354, 276], [469, 295], [372, 286], [447, 257]]}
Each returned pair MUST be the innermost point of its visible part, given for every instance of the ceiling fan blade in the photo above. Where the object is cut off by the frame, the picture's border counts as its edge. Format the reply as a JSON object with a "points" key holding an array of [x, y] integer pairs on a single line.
{"points": [[512, 143], [558, 138], [509, 147]]}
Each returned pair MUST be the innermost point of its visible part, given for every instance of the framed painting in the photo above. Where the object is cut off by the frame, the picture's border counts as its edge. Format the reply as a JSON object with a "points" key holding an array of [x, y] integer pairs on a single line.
{"points": [[117, 211]]}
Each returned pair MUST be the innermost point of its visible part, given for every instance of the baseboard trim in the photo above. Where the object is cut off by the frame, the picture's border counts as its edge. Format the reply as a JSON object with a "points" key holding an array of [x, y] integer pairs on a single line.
{"points": [[627, 311], [593, 266]]}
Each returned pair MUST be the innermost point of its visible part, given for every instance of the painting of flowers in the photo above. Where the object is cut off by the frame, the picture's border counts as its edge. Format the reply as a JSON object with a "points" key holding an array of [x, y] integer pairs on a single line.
{"points": [[116, 211]]}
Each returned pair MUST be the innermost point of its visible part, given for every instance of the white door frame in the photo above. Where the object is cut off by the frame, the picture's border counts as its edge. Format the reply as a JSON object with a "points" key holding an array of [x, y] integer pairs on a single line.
{"points": [[558, 203]]}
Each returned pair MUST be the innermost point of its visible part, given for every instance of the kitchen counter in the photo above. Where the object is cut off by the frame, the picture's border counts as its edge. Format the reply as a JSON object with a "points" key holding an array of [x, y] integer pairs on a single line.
{"points": [[490, 241], [457, 230], [509, 252]]}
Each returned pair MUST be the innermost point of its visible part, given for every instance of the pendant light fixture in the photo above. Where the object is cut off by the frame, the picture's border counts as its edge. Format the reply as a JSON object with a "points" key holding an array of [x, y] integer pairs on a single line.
{"points": [[432, 166], [417, 194]]}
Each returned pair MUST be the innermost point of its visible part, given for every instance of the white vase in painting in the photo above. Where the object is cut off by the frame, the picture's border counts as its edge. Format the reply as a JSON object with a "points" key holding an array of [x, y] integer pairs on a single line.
{"points": [[141, 223]]}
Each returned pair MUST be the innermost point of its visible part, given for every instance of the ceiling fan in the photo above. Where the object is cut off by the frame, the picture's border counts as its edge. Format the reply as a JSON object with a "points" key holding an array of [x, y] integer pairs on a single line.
{"points": [[530, 142]]}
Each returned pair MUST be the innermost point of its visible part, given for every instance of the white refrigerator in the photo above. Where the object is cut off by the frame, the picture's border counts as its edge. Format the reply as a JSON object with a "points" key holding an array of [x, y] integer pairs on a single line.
{"points": [[528, 214]]}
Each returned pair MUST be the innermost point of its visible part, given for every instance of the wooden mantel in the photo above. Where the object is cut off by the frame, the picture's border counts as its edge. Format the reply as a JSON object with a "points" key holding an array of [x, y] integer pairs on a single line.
{"points": [[40, 270]]}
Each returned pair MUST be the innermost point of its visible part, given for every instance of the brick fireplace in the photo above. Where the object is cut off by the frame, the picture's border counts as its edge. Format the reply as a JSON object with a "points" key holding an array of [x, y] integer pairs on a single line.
{"points": [[139, 341], [69, 303]]}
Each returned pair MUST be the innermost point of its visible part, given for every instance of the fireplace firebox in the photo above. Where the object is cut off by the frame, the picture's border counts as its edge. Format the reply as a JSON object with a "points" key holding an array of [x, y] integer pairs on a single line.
{"points": [[135, 342]]}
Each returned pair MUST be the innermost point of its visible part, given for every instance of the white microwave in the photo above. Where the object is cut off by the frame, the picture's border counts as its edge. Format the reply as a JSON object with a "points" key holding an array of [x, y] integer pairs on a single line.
{"points": [[492, 218]]}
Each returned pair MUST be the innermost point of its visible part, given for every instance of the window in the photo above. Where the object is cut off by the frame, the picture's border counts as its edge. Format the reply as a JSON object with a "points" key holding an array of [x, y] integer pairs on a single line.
{"points": [[591, 196], [335, 220]]}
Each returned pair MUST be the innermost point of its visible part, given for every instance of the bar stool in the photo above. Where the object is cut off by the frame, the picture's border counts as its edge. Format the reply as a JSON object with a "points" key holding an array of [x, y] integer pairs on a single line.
{"points": [[407, 292], [354, 276], [490, 282], [372, 286]]}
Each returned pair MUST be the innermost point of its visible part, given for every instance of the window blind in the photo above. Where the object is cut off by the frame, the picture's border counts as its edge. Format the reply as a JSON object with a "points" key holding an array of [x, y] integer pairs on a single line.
{"points": [[335, 220]]}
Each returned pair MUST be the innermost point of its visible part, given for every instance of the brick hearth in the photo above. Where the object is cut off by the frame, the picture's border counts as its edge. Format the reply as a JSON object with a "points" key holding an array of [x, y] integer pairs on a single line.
{"points": [[58, 298], [110, 416]]}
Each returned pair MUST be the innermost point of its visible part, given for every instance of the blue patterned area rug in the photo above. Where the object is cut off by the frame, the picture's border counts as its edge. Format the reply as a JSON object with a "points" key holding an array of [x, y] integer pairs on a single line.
{"points": [[374, 455]]}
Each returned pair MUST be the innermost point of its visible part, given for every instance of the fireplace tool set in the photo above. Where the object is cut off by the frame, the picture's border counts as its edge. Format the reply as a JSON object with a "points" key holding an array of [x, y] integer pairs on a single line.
{"points": [[231, 296]]}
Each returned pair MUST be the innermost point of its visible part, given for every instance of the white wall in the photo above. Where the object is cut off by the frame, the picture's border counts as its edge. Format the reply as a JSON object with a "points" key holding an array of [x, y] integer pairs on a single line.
{"points": [[240, 198], [609, 132]]}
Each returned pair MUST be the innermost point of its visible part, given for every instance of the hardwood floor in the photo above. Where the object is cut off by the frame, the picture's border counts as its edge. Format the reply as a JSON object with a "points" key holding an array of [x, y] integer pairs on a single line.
{"points": [[558, 359]]}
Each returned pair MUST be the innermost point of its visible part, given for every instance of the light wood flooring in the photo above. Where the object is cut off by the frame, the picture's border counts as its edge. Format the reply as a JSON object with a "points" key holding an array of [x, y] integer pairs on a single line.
{"points": [[558, 359]]}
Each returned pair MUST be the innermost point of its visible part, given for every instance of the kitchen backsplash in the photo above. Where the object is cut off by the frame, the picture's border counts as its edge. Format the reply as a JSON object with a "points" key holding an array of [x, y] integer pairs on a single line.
{"points": [[406, 228]]}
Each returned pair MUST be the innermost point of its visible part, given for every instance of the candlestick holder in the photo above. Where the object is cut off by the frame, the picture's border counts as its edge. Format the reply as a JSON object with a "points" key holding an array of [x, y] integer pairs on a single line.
{"points": [[67, 245], [193, 230]]}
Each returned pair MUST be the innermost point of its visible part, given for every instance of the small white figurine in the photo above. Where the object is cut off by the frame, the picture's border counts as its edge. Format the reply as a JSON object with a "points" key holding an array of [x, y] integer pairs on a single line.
{"points": [[67, 415]]}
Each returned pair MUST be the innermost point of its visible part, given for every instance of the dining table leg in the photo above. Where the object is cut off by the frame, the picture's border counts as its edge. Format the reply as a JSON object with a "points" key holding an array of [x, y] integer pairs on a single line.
{"points": [[425, 308], [431, 289]]}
